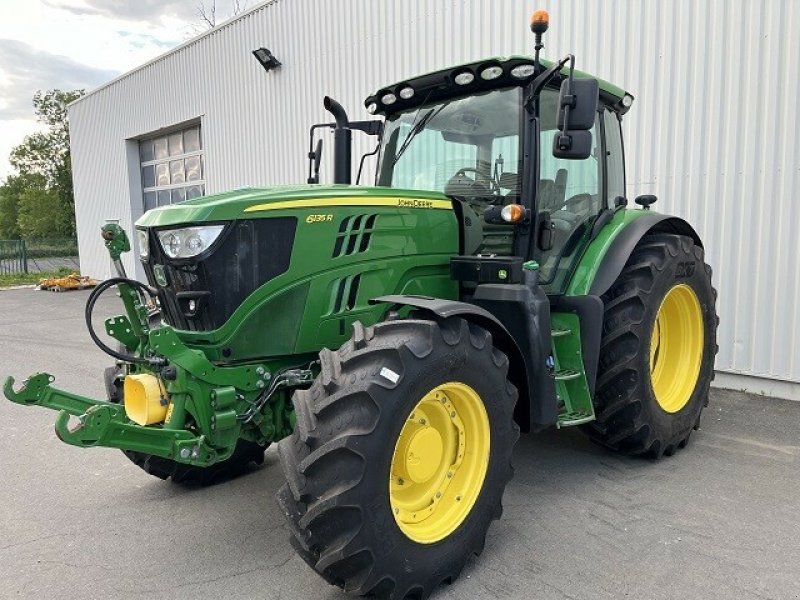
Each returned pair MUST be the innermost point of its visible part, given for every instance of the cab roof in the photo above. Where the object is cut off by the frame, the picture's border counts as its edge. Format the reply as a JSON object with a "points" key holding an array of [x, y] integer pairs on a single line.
{"points": [[438, 85]]}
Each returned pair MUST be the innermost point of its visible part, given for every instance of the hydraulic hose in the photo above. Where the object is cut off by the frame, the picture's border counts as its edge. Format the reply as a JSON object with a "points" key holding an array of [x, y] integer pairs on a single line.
{"points": [[96, 293]]}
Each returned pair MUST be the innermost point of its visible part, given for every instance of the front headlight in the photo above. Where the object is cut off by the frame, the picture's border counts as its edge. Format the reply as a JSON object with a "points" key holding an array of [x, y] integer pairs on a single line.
{"points": [[188, 241], [144, 243]]}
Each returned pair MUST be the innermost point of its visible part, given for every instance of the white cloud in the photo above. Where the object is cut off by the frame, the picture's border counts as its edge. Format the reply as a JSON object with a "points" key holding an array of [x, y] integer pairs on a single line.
{"points": [[74, 44], [140, 10], [26, 70]]}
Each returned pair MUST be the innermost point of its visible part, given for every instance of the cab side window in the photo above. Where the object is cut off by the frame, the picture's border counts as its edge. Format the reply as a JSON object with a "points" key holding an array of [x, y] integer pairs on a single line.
{"points": [[615, 158]]}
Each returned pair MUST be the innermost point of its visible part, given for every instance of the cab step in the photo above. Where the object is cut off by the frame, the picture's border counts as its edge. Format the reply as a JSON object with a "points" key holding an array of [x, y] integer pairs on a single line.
{"points": [[574, 418], [567, 375]]}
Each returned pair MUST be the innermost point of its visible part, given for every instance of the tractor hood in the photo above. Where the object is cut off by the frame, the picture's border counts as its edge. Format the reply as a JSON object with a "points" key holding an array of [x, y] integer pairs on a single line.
{"points": [[249, 202]]}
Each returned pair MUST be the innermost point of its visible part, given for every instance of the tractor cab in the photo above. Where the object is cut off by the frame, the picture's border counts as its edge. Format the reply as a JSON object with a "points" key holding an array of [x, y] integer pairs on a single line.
{"points": [[485, 134]]}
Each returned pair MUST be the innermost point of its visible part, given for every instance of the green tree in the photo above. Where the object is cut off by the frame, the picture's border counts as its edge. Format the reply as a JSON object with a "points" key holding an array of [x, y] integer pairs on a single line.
{"points": [[46, 155], [8, 215], [38, 213], [10, 193]]}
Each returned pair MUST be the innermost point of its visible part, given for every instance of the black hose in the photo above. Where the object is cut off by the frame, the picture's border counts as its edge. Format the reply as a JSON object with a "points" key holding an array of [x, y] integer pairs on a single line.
{"points": [[96, 292]]}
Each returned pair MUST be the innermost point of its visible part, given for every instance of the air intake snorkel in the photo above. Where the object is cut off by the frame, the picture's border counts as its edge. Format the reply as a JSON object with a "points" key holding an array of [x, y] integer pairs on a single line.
{"points": [[342, 142]]}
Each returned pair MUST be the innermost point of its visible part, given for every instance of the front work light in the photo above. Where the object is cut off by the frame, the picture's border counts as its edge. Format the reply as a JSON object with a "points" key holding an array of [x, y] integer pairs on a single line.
{"points": [[523, 71], [188, 241], [492, 72], [407, 93], [464, 78]]}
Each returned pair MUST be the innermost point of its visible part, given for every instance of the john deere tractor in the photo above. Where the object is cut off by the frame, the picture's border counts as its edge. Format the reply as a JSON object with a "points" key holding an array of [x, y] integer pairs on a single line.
{"points": [[396, 338]]}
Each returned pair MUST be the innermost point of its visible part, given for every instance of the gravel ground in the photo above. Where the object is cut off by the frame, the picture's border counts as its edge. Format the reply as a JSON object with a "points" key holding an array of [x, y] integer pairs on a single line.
{"points": [[720, 520]]}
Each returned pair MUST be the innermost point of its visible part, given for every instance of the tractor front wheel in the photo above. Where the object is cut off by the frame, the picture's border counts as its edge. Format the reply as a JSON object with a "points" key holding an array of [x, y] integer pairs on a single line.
{"points": [[658, 347], [245, 454], [400, 456]]}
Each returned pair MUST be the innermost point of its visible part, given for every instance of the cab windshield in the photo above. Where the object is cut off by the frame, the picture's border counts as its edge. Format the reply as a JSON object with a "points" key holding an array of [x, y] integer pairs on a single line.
{"points": [[467, 147]]}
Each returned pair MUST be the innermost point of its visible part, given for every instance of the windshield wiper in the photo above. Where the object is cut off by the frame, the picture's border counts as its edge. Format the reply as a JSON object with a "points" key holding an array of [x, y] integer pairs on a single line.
{"points": [[416, 127]]}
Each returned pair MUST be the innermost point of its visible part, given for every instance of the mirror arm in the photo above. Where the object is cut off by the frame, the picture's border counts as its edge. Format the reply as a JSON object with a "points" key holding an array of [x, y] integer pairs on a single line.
{"points": [[565, 140], [372, 127], [537, 85], [363, 158]]}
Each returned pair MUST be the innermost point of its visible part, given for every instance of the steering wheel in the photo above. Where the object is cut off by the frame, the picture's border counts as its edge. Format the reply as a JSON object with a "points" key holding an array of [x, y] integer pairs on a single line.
{"points": [[480, 179]]}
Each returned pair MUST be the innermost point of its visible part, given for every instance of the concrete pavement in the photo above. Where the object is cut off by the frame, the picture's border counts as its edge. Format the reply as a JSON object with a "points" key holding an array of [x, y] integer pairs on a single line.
{"points": [[720, 520]]}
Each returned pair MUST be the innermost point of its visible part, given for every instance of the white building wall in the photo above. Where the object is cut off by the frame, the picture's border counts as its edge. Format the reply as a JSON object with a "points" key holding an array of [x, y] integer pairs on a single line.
{"points": [[713, 131]]}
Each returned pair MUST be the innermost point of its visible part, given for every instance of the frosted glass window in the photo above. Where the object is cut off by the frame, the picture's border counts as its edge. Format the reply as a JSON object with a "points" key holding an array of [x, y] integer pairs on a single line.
{"points": [[172, 167]]}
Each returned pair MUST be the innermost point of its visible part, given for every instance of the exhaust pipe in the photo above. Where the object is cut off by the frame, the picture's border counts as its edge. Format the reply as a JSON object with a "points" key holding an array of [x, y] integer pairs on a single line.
{"points": [[342, 142]]}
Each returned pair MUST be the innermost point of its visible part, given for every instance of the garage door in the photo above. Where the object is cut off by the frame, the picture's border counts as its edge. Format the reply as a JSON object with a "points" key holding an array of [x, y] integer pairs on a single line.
{"points": [[172, 167]]}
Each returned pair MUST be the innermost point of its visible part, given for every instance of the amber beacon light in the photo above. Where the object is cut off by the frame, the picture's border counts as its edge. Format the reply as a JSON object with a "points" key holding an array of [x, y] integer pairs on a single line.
{"points": [[540, 20]]}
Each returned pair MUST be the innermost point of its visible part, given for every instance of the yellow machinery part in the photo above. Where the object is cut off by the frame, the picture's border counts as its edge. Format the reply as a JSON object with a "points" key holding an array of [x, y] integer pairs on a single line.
{"points": [[439, 463], [146, 400], [676, 348]]}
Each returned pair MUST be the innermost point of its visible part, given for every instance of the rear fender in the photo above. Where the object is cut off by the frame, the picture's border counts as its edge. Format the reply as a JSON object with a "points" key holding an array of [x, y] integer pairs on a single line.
{"points": [[607, 254]]}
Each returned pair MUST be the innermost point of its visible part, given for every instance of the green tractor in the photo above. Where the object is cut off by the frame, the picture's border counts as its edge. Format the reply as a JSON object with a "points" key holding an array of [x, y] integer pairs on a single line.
{"points": [[396, 338]]}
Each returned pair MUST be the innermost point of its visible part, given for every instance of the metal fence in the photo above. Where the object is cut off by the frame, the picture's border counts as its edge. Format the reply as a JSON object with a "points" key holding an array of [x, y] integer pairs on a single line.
{"points": [[46, 254], [13, 257]]}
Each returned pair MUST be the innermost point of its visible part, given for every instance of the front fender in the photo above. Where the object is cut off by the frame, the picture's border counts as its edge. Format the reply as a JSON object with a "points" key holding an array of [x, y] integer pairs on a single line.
{"points": [[520, 328]]}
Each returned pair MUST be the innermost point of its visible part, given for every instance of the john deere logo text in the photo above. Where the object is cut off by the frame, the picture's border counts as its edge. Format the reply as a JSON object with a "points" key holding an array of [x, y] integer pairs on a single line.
{"points": [[410, 203]]}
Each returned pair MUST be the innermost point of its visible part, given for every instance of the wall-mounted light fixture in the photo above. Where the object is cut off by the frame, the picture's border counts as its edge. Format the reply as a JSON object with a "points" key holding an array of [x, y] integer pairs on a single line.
{"points": [[266, 59]]}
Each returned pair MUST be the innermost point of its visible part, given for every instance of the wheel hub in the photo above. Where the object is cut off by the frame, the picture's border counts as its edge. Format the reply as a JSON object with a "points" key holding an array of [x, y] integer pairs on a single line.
{"points": [[423, 453], [439, 462]]}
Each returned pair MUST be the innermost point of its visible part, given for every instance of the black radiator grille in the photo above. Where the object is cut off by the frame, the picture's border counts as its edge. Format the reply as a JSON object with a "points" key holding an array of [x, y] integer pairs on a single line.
{"points": [[202, 293]]}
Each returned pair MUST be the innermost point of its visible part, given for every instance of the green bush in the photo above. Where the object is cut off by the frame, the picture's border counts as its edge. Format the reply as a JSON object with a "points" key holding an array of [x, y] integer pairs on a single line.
{"points": [[49, 247]]}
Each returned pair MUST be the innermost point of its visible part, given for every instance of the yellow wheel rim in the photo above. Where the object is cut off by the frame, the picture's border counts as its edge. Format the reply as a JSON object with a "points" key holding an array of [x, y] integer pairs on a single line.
{"points": [[676, 348], [439, 463]]}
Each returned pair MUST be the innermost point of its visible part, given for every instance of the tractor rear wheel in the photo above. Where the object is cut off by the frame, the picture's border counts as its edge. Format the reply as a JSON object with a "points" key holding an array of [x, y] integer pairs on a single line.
{"points": [[657, 351], [245, 453], [400, 456]]}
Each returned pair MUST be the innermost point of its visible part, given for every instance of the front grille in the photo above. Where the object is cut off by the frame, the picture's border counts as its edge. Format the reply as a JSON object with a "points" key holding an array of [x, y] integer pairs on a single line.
{"points": [[202, 293]]}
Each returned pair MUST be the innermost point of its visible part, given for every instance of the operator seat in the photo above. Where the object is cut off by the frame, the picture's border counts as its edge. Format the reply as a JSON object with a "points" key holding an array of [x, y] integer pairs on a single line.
{"points": [[513, 183]]}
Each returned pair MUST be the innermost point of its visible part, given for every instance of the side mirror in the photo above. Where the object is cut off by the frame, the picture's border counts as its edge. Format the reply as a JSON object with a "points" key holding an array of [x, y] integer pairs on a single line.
{"points": [[315, 157], [572, 145], [577, 110], [582, 103]]}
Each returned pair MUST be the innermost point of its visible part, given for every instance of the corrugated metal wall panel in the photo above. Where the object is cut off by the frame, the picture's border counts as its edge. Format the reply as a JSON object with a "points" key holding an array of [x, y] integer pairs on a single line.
{"points": [[713, 130]]}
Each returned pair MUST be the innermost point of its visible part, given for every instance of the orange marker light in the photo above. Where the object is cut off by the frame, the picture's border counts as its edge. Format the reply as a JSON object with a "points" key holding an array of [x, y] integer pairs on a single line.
{"points": [[512, 213], [540, 20]]}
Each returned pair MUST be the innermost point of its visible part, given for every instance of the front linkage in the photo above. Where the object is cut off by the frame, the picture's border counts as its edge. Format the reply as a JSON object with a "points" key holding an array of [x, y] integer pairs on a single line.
{"points": [[208, 407]]}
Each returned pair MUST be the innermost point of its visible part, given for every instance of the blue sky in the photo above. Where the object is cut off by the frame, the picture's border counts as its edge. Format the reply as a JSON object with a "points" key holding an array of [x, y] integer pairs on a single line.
{"points": [[71, 44]]}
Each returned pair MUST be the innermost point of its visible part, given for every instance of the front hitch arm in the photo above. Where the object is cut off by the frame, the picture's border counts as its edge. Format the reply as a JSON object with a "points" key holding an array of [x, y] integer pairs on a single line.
{"points": [[36, 390], [105, 424]]}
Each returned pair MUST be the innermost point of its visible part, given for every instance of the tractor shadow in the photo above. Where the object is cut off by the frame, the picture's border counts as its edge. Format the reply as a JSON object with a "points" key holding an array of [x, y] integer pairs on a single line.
{"points": [[558, 475]]}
